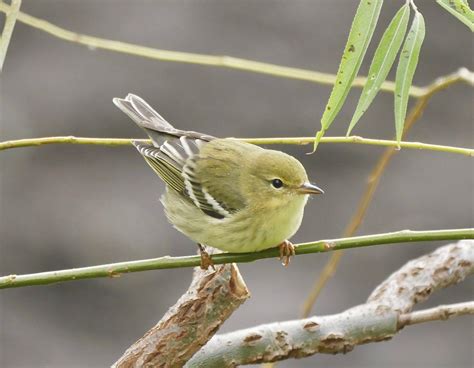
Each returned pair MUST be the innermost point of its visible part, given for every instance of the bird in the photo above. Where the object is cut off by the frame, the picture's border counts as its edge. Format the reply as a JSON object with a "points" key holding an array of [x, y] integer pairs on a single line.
{"points": [[222, 192]]}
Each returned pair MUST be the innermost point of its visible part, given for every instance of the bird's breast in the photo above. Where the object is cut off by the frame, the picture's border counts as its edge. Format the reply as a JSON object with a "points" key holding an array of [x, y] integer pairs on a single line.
{"points": [[248, 230], [262, 228]]}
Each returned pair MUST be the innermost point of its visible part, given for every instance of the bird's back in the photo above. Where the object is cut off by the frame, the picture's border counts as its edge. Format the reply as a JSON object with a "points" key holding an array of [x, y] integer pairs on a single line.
{"points": [[198, 167]]}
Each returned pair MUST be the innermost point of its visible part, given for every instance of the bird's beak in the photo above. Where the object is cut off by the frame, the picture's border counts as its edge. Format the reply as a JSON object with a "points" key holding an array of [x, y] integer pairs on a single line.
{"points": [[308, 188]]}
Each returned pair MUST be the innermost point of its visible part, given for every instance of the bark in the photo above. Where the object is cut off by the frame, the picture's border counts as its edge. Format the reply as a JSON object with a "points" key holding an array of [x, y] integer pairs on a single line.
{"points": [[419, 278], [380, 318], [211, 298]]}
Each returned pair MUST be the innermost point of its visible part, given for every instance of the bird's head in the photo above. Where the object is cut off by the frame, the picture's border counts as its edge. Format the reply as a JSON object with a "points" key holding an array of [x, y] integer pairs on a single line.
{"points": [[277, 179]]}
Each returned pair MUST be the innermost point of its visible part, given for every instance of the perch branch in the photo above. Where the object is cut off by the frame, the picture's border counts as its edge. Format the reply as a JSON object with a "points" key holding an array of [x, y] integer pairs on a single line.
{"points": [[211, 298], [340, 333], [261, 141], [117, 269], [462, 75]]}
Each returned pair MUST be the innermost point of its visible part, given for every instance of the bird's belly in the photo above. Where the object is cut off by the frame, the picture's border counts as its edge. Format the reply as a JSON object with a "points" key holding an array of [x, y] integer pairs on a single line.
{"points": [[240, 232], [259, 232]]}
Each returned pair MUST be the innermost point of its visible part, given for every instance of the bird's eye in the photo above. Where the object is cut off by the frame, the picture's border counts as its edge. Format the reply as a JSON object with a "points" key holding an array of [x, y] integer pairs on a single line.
{"points": [[277, 183]]}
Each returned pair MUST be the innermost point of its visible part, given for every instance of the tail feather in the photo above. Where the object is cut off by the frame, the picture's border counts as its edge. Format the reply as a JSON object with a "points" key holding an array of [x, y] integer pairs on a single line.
{"points": [[157, 128], [128, 109], [147, 112]]}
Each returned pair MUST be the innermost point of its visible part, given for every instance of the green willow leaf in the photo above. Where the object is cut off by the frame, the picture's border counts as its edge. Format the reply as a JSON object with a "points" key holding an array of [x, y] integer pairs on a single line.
{"points": [[382, 62], [460, 9], [361, 32], [406, 69]]}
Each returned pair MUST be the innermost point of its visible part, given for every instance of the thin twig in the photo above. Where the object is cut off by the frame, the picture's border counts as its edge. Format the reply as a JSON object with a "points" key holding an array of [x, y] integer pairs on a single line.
{"points": [[11, 16], [117, 269], [28, 142], [439, 313], [210, 60], [374, 321], [462, 75], [186, 57], [193, 58]]}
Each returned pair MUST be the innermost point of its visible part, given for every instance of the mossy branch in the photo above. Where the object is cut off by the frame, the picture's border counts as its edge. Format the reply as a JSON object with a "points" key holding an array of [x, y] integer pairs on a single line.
{"points": [[117, 269]]}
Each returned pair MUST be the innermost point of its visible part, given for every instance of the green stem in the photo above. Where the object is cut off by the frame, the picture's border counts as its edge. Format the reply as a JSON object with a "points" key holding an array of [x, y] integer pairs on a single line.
{"points": [[187, 57], [117, 269], [210, 60], [11, 16], [285, 140]]}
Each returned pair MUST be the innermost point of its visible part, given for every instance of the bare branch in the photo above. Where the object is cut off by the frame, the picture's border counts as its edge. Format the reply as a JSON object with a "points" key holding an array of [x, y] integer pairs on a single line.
{"points": [[211, 298], [297, 339], [11, 16], [414, 282], [440, 313], [222, 61], [373, 321]]}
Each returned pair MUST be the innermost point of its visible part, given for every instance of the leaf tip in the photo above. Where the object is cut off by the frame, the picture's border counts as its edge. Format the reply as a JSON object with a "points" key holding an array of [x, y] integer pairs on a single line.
{"points": [[317, 139]]}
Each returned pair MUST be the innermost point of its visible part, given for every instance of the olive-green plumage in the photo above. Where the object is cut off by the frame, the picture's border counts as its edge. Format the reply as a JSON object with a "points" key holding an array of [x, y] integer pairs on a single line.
{"points": [[223, 193]]}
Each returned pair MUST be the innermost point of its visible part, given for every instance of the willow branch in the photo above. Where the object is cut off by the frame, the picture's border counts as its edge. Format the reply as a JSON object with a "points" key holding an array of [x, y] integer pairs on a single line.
{"points": [[340, 333], [211, 298], [440, 313], [11, 15], [440, 84], [117, 269], [29, 142], [193, 58], [335, 334], [419, 278]]}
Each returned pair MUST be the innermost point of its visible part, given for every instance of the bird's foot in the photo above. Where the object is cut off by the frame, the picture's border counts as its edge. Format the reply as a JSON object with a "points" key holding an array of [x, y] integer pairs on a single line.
{"points": [[287, 249], [206, 260]]}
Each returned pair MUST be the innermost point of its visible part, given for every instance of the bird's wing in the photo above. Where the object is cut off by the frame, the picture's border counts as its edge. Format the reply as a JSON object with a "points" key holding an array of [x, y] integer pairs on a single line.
{"points": [[174, 155], [178, 170]]}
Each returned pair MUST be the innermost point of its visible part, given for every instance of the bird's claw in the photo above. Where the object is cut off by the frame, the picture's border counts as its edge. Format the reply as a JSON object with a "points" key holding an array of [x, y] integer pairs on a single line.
{"points": [[287, 249], [206, 260]]}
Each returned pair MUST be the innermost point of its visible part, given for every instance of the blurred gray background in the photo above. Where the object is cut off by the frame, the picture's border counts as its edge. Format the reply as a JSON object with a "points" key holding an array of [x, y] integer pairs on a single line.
{"points": [[64, 206]]}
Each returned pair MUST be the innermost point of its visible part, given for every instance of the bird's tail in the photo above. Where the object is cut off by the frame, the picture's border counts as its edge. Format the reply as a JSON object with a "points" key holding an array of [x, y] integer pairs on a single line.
{"points": [[157, 128]]}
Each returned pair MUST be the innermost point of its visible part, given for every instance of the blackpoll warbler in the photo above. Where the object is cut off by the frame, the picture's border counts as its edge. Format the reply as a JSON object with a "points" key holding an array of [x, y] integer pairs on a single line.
{"points": [[223, 193]]}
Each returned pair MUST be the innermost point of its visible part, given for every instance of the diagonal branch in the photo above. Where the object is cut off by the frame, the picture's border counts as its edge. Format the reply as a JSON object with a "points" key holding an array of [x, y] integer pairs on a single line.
{"points": [[419, 278], [211, 298], [376, 320], [117, 269], [11, 17]]}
